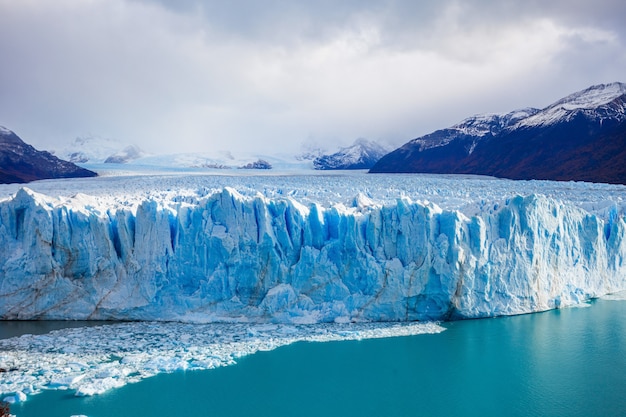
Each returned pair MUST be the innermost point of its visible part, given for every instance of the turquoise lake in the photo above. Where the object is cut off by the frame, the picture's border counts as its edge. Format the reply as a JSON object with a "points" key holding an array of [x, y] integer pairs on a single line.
{"points": [[569, 362]]}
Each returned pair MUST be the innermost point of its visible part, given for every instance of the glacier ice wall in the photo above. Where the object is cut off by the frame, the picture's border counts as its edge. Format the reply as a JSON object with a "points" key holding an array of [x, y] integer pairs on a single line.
{"points": [[235, 258]]}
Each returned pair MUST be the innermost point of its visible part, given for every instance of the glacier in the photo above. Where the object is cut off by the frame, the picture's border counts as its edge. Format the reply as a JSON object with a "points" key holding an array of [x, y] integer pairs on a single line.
{"points": [[306, 249]]}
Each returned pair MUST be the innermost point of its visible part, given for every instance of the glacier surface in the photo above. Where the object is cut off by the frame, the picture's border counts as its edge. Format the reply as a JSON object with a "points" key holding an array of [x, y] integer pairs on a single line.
{"points": [[306, 249]]}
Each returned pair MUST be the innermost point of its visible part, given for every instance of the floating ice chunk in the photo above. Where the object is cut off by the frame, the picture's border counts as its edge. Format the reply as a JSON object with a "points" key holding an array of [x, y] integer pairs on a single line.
{"points": [[580, 305], [99, 386], [65, 381], [15, 398]]}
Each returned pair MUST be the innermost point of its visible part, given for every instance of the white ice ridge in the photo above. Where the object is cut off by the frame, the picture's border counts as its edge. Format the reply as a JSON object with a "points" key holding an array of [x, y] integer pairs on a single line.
{"points": [[308, 249], [92, 360], [618, 296]]}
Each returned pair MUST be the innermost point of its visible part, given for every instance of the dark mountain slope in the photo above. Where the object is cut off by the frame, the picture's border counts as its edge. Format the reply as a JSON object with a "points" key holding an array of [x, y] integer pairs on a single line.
{"points": [[21, 163]]}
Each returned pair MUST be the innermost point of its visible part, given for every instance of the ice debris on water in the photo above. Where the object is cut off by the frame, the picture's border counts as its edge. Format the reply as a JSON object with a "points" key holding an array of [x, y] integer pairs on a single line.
{"points": [[93, 360]]}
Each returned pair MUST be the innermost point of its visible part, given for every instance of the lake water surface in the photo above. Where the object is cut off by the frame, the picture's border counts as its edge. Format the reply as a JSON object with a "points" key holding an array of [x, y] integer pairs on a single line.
{"points": [[569, 362]]}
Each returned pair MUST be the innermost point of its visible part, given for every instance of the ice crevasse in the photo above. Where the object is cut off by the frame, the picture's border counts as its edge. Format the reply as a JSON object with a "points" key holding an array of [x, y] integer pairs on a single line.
{"points": [[230, 257]]}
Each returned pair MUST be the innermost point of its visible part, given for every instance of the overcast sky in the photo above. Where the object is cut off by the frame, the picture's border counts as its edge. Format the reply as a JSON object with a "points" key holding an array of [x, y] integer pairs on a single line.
{"points": [[173, 76]]}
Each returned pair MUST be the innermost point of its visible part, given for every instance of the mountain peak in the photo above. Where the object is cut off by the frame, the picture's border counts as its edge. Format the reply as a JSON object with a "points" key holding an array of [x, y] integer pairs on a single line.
{"points": [[9, 137], [592, 97], [587, 101], [362, 154]]}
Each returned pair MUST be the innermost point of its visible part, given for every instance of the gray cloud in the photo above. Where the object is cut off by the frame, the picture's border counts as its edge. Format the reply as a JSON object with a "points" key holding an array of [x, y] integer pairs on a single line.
{"points": [[403, 22], [201, 75]]}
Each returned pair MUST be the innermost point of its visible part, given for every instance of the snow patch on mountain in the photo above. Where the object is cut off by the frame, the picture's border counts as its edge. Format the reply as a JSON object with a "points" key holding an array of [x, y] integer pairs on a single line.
{"points": [[477, 128], [592, 97], [595, 102], [492, 124]]}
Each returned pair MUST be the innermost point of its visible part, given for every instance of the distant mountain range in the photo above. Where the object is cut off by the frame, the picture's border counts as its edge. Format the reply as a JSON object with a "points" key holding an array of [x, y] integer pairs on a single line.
{"points": [[363, 154], [97, 150], [581, 137], [21, 163]]}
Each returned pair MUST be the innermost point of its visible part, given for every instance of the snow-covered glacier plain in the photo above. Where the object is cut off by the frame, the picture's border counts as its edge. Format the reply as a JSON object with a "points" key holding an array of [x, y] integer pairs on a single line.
{"points": [[291, 250]]}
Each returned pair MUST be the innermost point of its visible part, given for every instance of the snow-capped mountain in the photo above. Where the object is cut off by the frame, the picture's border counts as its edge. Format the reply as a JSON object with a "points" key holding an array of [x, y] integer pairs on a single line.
{"points": [[363, 154], [97, 149], [580, 137], [20, 162], [597, 103], [126, 155]]}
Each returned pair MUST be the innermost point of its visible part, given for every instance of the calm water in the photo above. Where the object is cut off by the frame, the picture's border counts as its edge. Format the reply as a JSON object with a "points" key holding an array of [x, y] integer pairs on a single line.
{"points": [[570, 362]]}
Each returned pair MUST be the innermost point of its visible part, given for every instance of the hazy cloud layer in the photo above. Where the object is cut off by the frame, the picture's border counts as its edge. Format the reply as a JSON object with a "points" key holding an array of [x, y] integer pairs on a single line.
{"points": [[202, 75]]}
